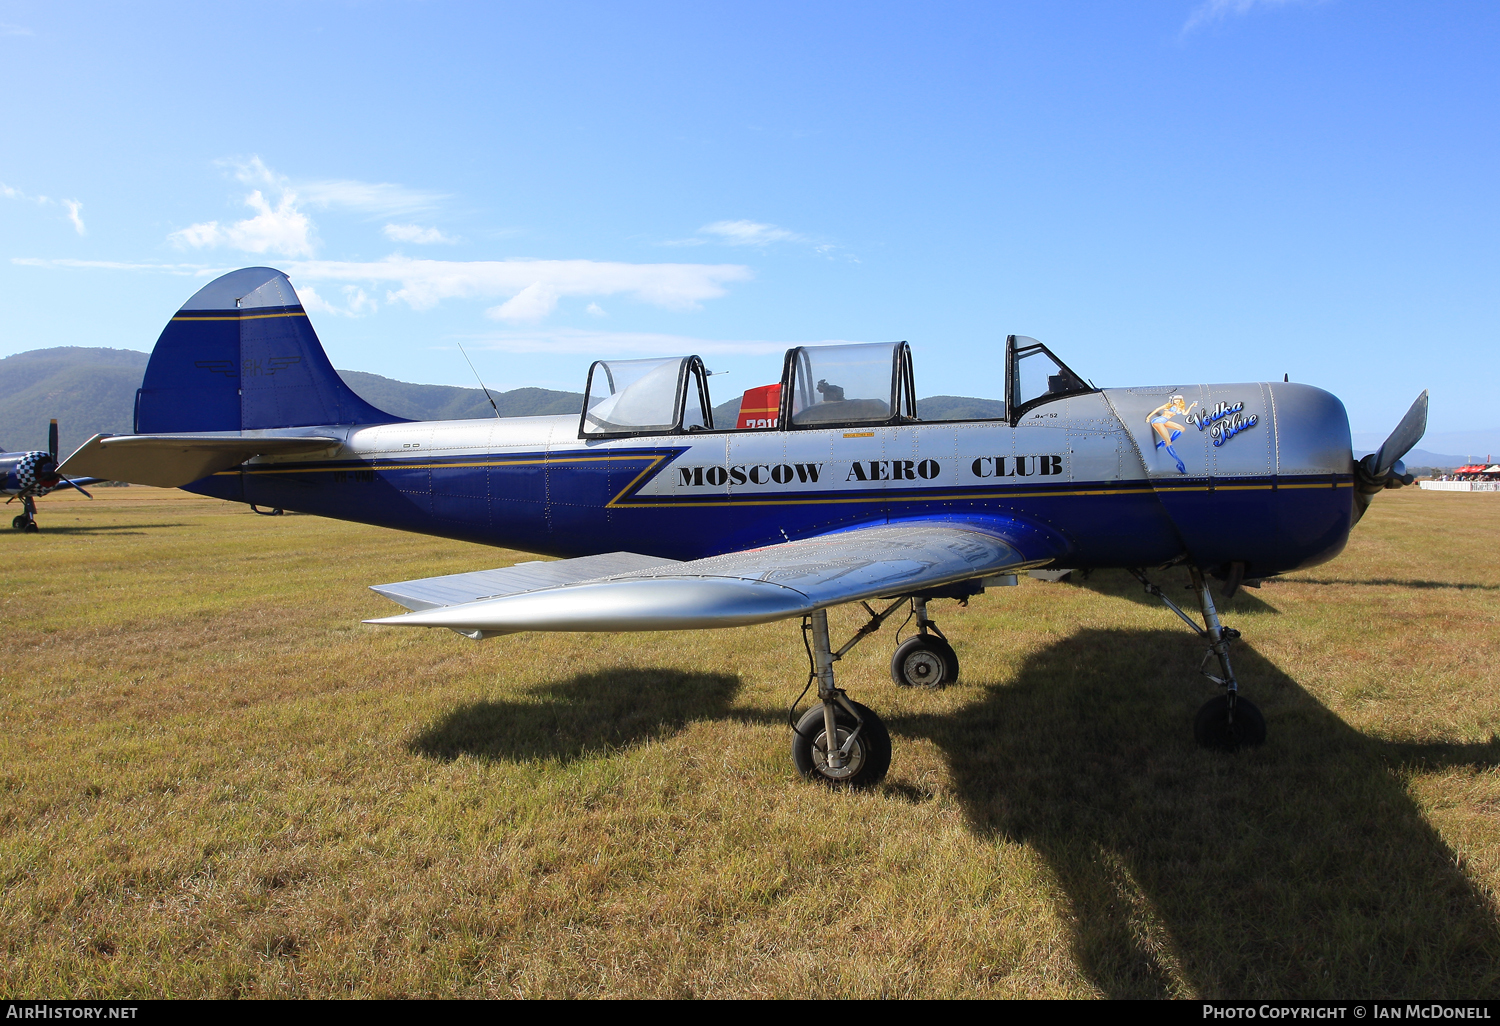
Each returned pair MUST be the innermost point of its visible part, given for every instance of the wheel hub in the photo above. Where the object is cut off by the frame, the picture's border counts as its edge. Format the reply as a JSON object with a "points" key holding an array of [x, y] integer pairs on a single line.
{"points": [[923, 668], [852, 762]]}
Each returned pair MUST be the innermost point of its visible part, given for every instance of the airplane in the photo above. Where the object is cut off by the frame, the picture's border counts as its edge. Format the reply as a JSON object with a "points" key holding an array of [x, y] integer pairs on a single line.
{"points": [[663, 520], [30, 475]]}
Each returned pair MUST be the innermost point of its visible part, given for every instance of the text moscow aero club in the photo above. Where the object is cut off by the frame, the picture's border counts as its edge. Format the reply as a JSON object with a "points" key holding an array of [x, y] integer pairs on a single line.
{"points": [[863, 470]]}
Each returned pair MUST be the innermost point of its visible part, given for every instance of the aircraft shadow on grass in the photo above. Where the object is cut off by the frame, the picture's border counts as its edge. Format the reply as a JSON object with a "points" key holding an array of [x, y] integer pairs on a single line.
{"points": [[114, 530], [1391, 582], [585, 715], [1302, 868]]}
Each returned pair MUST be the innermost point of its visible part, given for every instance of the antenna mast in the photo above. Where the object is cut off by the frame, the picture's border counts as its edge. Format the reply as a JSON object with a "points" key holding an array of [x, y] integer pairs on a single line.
{"points": [[481, 381]]}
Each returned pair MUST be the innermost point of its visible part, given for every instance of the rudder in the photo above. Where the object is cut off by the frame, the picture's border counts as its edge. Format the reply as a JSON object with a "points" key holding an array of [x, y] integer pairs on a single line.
{"points": [[241, 355]]}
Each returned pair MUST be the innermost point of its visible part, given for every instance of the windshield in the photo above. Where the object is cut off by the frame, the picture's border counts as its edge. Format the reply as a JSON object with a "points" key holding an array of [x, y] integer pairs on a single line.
{"points": [[1037, 375]]}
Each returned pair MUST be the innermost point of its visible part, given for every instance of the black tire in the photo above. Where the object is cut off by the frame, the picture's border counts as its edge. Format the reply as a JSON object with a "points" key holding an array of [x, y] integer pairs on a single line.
{"points": [[869, 760], [1212, 729], [19, 523], [925, 661], [31, 527]]}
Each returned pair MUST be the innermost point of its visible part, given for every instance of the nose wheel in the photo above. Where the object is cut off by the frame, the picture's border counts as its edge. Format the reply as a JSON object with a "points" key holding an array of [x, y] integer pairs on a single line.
{"points": [[26, 520], [1228, 723]]}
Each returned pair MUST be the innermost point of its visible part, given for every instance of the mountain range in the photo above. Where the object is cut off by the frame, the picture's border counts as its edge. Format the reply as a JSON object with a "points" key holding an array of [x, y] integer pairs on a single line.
{"points": [[91, 391]]}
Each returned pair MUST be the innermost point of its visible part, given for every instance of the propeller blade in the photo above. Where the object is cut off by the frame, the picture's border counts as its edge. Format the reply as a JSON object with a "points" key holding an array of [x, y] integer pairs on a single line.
{"points": [[1407, 434], [79, 487], [52, 438]]}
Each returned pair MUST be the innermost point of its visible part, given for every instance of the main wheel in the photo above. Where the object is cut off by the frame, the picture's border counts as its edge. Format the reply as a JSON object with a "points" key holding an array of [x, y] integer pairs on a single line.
{"points": [[869, 759], [924, 661], [1212, 729], [19, 523], [31, 527]]}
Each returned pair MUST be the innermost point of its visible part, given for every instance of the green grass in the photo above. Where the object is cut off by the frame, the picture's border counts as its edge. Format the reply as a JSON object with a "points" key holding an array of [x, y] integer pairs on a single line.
{"points": [[216, 781]]}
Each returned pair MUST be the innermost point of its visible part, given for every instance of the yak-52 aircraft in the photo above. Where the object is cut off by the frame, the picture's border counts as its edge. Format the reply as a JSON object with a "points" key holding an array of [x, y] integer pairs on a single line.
{"points": [[30, 475], [668, 521]]}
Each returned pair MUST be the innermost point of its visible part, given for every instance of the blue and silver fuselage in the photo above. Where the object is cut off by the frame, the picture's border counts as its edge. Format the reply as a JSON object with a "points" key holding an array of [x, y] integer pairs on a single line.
{"points": [[1257, 473]]}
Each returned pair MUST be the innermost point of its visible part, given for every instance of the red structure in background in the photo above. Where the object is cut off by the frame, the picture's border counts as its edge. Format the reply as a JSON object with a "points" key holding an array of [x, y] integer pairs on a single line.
{"points": [[759, 407], [1477, 472]]}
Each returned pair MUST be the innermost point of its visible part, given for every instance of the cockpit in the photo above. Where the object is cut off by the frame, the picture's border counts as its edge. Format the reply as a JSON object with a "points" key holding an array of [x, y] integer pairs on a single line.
{"points": [[852, 385]]}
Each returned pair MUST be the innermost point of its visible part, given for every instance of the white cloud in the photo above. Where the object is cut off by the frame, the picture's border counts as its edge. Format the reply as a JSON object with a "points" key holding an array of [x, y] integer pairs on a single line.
{"points": [[9, 192], [748, 233], [253, 171], [7, 29], [381, 198], [282, 230], [73, 209], [74, 206], [625, 343], [595, 310], [199, 270], [1217, 10], [368, 197], [415, 233], [531, 287], [751, 233], [532, 303], [357, 302], [425, 283]]}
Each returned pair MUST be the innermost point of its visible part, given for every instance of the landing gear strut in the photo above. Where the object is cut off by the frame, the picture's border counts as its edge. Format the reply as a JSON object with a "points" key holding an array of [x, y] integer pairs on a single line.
{"points": [[1229, 721], [838, 741], [26, 521], [926, 660]]}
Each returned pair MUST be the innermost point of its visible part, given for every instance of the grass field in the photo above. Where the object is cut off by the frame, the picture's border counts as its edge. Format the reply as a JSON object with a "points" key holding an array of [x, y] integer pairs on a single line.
{"points": [[216, 781]]}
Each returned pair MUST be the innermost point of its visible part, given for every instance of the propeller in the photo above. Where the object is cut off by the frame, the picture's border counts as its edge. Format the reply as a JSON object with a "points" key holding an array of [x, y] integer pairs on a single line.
{"points": [[46, 469], [1407, 434], [1383, 468]]}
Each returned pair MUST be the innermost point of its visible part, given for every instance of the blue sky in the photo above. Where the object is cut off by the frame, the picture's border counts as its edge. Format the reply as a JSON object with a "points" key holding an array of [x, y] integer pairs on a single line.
{"points": [[1161, 190]]}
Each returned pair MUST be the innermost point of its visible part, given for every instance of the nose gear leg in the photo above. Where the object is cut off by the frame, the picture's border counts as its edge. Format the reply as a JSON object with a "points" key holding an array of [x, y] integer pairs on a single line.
{"points": [[1218, 636], [1229, 721], [27, 520]]}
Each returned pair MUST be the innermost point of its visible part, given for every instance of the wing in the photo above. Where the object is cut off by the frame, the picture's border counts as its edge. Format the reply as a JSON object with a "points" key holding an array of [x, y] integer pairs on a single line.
{"points": [[170, 461], [456, 589], [739, 588]]}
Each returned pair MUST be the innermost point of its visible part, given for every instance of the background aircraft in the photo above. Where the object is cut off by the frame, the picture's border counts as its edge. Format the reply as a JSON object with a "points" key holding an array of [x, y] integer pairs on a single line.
{"points": [[30, 475], [667, 521]]}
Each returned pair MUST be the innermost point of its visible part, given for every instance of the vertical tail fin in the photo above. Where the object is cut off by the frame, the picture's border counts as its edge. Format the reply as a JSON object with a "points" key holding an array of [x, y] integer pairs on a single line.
{"points": [[241, 355]]}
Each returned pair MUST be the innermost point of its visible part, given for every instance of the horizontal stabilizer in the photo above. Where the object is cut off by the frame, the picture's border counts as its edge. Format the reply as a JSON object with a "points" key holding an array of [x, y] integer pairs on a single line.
{"points": [[754, 586], [173, 460], [455, 589]]}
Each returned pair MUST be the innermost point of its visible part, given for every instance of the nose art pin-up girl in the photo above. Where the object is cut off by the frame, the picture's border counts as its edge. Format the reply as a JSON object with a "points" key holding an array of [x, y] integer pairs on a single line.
{"points": [[1167, 430]]}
